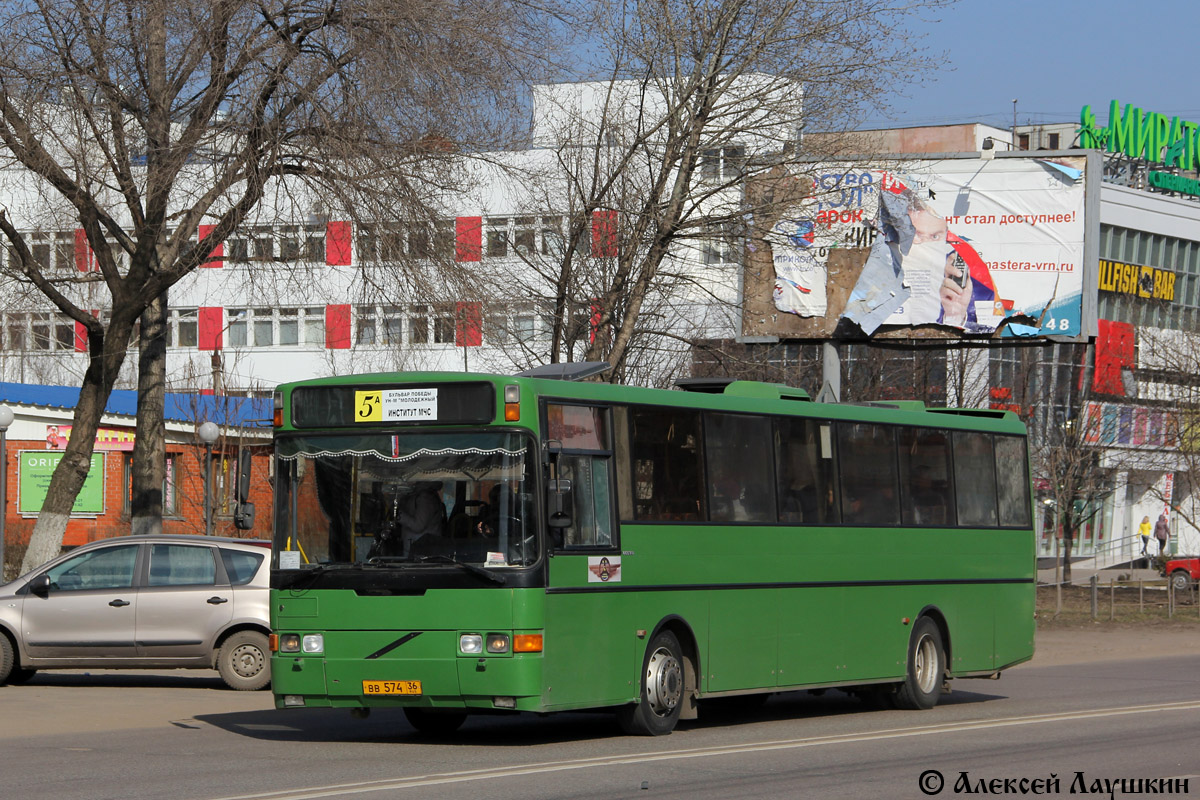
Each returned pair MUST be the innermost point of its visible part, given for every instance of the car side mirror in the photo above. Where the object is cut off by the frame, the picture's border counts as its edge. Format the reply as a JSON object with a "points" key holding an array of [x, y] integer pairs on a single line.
{"points": [[40, 585]]}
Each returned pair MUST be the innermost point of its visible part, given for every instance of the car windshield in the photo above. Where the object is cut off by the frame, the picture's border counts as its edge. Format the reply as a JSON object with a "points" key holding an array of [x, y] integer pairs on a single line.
{"points": [[381, 500]]}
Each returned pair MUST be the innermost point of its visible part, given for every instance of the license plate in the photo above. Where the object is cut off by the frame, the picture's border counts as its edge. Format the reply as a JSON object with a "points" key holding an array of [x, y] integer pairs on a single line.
{"points": [[391, 687]]}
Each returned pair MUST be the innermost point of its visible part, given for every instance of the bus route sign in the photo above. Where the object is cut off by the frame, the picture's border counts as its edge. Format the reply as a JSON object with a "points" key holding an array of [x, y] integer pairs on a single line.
{"points": [[395, 405]]}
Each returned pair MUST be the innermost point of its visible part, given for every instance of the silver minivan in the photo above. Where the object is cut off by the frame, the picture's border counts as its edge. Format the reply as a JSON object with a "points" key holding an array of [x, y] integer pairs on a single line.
{"points": [[144, 602]]}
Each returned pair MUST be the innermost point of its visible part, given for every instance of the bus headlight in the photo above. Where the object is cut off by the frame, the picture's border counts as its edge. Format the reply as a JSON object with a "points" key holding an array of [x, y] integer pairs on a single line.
{"points": [[313, 643], [470, 643], [289, 643], [497, 643]]}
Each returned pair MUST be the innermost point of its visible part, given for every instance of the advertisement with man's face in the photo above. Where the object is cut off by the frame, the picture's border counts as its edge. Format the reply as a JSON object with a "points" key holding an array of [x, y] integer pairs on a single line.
{"points": [[972, 245]]}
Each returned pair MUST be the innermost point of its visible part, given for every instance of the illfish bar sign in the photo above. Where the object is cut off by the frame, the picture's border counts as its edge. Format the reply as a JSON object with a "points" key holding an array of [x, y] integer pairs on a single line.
{"points": [[1137, 280]]}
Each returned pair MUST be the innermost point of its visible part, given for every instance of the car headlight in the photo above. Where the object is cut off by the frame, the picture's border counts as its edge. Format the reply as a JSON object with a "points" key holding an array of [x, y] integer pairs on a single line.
{"points": [[470, 643], [313, 643]]}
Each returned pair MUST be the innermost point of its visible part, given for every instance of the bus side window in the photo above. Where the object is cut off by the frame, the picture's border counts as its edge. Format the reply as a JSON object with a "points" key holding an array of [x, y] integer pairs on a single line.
{"points": [[867, 467], [925, 483], [1012, 478], [975, 479], [741, 487], [804, 470], [666, 464]]}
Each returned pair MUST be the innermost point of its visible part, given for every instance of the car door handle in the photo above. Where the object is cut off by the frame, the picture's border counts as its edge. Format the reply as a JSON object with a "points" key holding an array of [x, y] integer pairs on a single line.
{"points": [[119, 603], [216, 601]]}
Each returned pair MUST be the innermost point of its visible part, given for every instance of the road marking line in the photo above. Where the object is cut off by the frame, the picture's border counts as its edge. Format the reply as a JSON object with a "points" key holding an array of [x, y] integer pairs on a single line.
{"points": [[312, 793]]}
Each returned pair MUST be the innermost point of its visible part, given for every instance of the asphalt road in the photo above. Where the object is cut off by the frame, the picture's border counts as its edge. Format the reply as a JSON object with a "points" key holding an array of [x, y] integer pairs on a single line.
{"points": [[75, 736]]}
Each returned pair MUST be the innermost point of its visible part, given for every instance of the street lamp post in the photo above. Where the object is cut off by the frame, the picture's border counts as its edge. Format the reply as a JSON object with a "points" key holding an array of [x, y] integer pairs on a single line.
{"points": [[6, 419], [208, 434]]}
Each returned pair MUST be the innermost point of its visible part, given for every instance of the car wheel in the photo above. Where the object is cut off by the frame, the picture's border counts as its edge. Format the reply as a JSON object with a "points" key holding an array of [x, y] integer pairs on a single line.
{"points": [[244, 661], [435, 723], [661, 690], [926, 666], [7, 659], [1181, 581]]}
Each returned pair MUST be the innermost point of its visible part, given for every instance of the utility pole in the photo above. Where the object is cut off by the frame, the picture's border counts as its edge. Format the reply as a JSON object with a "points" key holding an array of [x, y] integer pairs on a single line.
{"points": [[1014, 127]]}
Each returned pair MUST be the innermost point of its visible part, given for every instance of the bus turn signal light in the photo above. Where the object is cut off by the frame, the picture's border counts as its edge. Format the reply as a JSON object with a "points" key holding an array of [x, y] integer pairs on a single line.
{"points": [[527, 643], [512, 403]]}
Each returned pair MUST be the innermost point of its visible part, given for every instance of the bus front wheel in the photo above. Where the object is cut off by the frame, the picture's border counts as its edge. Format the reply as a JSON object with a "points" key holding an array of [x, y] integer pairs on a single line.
{"points": [[926, 667], [661, 690]]}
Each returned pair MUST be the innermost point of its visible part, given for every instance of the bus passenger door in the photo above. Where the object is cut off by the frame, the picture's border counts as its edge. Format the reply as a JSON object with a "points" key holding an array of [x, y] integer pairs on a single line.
{"points": [[590, 627]]}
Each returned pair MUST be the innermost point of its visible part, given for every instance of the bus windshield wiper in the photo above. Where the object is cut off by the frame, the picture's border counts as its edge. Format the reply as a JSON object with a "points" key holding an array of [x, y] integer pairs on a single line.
{"points": [[478, 570]]}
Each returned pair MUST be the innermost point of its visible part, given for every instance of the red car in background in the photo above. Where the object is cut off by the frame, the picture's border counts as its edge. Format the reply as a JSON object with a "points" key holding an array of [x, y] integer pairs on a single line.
{"points": [[1182, 571]]}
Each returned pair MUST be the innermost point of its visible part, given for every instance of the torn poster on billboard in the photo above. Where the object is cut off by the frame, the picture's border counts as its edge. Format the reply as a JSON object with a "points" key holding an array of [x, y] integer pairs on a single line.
{"points": [[966, 243]]}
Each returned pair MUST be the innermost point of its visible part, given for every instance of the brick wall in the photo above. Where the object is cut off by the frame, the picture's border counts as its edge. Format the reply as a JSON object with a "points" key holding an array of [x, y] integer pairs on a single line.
{"points": [[115, 521]]}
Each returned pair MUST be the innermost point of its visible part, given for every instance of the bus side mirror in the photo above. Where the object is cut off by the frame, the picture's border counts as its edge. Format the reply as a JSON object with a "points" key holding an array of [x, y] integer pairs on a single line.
{"points": [[243, 518], [243, 484], [559, 491]]}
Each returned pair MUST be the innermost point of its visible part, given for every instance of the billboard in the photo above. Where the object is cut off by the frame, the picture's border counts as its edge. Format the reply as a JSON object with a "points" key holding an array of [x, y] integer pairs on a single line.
{"points": [[937, 247]]}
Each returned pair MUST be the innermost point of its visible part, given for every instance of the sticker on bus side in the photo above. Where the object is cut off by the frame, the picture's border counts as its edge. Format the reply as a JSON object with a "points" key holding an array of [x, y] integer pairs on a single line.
{"points": [[395, 405], [604, 569]]}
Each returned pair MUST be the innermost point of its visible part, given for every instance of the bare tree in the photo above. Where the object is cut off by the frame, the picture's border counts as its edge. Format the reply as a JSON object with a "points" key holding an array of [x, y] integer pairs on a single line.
{"points": [[700, 97], [141, 119]]}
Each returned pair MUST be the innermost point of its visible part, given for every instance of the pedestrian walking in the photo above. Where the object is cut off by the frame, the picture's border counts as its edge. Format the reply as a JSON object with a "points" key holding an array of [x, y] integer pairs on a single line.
{"points": [[1162, 532]]}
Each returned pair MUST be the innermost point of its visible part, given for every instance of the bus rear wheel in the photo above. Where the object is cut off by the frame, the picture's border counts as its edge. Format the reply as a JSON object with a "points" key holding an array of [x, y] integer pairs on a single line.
{"points": [[661, 690], [926, 667], [435, 723]]}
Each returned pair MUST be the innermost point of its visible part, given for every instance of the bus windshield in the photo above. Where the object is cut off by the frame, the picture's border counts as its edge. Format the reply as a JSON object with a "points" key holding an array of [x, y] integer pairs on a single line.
{"points": [[400, 500]]}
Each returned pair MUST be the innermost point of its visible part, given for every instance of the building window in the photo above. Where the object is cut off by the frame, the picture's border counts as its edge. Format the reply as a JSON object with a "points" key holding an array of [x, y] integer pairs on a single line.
{"points": [[391, 323], [314, 244], [717, 246], [170, 487], [289, 327], [1053, 137], [443, 327], [314, 326], [418, 324], [722, 164], [497, 237], [64, 252], [289, 243], [264, 245], [365, 326], [237, 249], [552, 236], [391, 244], [183, 328], [523, 235], [366, 243]]}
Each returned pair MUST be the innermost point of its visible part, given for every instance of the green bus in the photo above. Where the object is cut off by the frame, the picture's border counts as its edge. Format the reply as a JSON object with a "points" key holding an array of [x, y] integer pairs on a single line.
{"points": [[456, 543]]}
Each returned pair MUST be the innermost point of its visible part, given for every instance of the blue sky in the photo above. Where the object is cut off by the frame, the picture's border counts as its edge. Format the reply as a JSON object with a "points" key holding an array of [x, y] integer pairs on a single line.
{"points": [[1054, 57]]}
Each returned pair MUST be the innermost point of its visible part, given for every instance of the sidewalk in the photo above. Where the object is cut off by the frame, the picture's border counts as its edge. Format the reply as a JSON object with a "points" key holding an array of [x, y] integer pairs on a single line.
{"points": [[1081, 576]]}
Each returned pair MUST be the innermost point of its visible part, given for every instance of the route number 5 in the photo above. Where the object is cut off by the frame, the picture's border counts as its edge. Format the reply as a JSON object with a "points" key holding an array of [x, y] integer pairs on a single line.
{"points": [[368, 406]]}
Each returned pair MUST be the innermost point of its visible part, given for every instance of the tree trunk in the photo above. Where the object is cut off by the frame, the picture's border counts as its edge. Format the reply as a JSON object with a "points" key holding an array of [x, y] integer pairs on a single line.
{"points": [[107, 353], [149, 446], [1068, 540]]}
